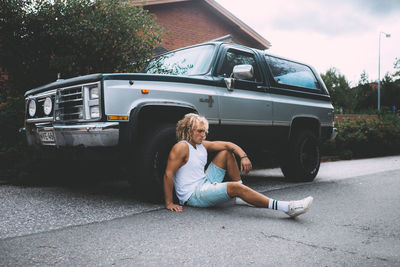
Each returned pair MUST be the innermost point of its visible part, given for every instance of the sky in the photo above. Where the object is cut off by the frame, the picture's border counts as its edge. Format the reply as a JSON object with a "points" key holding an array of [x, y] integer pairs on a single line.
{"points": [[343, 34]]}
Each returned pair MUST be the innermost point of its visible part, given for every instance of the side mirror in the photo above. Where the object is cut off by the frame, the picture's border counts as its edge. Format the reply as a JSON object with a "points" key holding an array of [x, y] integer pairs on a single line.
{"points": [[243, 72]]}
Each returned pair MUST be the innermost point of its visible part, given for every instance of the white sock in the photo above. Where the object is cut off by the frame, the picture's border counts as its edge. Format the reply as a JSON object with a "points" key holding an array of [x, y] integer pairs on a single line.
{"points": [[278, 205], [239, 201]]}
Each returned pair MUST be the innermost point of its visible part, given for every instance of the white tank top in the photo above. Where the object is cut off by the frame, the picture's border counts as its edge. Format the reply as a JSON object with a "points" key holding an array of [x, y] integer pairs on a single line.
{"points": [[191, 174]]}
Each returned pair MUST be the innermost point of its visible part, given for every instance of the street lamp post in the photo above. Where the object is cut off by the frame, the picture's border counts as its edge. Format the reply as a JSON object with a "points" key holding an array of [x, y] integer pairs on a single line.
{"points": [[379, 69]]}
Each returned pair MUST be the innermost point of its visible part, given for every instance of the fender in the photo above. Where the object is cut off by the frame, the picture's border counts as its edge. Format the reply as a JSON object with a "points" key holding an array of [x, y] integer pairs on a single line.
{"points": [[129, 131], [308, 119]]}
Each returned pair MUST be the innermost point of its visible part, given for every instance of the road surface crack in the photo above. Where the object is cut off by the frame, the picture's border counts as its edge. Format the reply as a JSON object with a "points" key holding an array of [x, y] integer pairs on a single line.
{"points": [[325, 248]]}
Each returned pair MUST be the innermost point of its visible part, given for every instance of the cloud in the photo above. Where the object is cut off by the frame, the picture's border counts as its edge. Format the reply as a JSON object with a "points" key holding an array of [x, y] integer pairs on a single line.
{"points": [[322, 23], [340, 17], [379, 8]]}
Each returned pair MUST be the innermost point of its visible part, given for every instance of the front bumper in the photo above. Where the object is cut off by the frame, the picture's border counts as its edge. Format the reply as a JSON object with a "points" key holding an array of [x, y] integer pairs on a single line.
{"points": [[95, 134]]}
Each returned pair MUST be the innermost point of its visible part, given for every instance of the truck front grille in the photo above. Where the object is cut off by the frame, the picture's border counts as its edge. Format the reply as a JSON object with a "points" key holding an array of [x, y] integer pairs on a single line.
{"points": [[69, 104], [78, 103]]}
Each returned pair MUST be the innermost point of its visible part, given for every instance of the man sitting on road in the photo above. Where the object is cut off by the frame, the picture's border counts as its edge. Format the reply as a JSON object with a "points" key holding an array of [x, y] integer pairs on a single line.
{"points": [[196, 188]]}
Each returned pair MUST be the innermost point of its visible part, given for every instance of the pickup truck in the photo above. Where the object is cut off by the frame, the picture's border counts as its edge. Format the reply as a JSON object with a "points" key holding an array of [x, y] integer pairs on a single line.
{"points": [[250, 97]]}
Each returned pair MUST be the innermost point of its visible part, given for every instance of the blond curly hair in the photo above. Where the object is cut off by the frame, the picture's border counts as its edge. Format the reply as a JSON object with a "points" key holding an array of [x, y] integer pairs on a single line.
{"points": [[186, 126]]}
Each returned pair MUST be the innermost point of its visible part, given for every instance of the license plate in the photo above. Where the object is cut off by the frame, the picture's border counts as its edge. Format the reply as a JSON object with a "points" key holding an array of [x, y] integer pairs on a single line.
{"points": [[47, 136]]}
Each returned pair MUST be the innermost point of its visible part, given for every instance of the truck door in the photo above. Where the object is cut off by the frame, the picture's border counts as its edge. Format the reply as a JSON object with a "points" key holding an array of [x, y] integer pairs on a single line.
{"points": [[246, 111]]}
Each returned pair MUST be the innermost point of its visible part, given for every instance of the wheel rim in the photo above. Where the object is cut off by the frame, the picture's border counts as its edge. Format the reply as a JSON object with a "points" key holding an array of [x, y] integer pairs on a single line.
{"points": [[309, 156]]}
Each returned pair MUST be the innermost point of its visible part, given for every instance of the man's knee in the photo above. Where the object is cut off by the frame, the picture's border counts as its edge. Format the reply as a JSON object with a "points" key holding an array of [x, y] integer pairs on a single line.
{"points": [[235, 189], [226, 155], [221, 158]]}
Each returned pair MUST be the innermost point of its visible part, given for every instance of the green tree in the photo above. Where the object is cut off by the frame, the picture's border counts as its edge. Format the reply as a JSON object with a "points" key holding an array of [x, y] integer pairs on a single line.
{"points": [[396, 65], [390, 92], [366, 94], [40, 38], [339, 89]]}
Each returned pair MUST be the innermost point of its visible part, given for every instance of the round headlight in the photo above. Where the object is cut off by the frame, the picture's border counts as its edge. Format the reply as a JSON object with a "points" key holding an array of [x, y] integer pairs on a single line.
{"points": [[32, 107], [47, 106]]}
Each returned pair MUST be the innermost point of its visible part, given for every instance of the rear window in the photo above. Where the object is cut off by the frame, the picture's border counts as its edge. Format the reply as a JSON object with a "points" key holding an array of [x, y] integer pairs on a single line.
{"points": [[292, 73]]}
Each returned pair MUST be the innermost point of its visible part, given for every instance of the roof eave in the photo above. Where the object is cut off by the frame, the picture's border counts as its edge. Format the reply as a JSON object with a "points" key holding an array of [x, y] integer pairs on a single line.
{"points": [[243, 26]]}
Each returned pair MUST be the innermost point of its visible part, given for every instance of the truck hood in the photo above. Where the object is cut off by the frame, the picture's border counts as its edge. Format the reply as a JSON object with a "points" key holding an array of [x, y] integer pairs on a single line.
{"points": [[208, 80]]}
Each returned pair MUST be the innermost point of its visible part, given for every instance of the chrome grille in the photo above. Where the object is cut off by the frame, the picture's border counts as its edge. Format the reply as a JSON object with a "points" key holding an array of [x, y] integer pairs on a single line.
{"points": [[69, 104]]}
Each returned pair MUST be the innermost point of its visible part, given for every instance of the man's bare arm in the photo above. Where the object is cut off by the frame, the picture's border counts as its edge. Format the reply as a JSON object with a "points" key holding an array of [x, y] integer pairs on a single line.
{"points": [[245, 163], [176, 159]]}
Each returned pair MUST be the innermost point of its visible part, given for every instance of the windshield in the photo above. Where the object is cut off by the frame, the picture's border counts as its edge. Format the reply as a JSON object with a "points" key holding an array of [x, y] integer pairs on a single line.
{"points": [[190, 61]]}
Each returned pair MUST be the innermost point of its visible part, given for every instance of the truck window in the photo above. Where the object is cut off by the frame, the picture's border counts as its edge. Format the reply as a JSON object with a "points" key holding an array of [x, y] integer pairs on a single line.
{"points": [[233, 58], [292, 73], [190, 61]]}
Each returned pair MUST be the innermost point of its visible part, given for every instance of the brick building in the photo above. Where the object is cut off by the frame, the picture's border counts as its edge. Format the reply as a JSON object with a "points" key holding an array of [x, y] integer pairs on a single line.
{"points": [[189, 22]]}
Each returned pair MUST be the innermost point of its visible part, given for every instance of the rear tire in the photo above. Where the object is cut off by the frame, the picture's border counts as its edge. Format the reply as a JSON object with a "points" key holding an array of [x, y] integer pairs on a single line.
{"points": [[301, 161]]}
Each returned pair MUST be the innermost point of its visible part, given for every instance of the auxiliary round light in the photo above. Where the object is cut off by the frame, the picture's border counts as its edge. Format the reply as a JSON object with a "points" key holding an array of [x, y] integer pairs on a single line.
{"points": [[47, 106], [32, 107]]}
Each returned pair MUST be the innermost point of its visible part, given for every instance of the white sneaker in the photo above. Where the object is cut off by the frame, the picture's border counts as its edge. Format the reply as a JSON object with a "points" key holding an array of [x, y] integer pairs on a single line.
{"points": [[299, 206]]}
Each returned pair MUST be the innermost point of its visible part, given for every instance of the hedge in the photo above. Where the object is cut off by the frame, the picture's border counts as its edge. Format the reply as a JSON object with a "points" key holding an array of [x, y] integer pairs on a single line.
{"points": [[361, 137]]}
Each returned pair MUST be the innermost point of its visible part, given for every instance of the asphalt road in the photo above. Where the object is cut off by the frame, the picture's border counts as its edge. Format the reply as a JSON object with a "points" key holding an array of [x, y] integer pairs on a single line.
{"points": [[354, 220]]}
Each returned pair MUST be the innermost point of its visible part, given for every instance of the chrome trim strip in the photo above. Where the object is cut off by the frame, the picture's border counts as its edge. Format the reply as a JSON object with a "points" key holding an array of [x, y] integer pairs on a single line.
{"points": [[213, 122], [44, 94], [44, 119], [88, 127], [281, 123], [249, 123]]}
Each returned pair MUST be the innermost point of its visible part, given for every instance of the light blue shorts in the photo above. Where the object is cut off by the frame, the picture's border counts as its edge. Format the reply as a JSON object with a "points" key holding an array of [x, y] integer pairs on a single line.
{"points": [[212, 191]]}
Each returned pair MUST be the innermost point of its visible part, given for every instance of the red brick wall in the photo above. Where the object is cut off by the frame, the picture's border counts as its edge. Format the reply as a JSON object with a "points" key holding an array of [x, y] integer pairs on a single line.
{"points": [[188, 23]]}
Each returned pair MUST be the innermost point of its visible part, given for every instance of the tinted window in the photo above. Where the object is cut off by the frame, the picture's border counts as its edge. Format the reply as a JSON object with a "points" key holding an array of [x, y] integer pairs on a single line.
{"points": [[233, 58], [291, 73], [190, 61]]}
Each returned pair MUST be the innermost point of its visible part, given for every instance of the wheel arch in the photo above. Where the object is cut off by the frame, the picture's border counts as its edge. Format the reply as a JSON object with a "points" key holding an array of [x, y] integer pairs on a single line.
{"points": [[150, 114], [305, 123]]}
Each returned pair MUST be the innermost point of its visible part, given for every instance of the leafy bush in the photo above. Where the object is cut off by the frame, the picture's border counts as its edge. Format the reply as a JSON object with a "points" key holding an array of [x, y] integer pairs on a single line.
{"points": [[366, 137], [11, 111]]}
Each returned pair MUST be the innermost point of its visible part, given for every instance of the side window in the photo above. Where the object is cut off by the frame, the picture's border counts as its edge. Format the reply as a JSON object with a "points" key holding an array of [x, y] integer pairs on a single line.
{"points": [[233, 58], [292, 73]]}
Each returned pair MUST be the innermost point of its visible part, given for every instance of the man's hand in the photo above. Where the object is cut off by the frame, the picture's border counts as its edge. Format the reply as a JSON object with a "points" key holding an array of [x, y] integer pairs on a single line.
{"points": [[245, 165], [174, 207]]}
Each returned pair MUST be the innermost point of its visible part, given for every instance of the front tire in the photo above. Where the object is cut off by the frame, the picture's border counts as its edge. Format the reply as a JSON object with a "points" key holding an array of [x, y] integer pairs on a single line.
{"points": [[155, 148], [302, 159]]}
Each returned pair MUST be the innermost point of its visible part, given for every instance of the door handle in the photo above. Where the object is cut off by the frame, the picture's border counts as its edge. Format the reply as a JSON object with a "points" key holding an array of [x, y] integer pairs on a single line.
{"points": [[208, 100]]}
